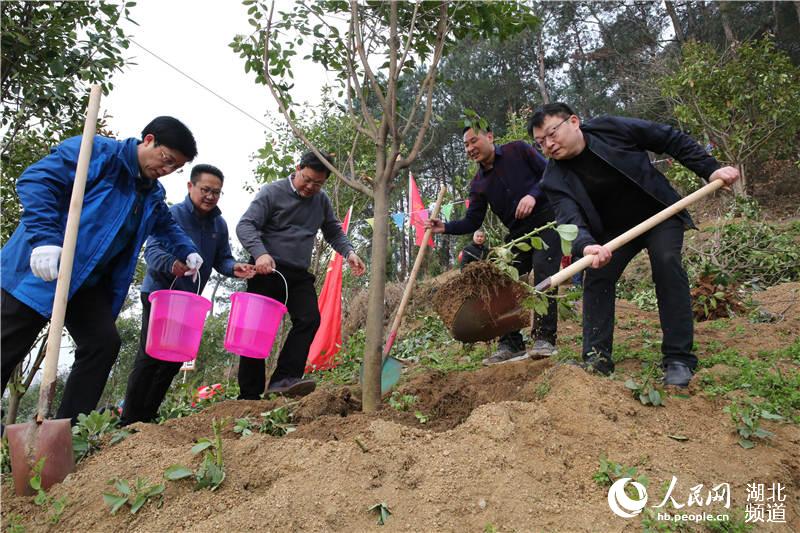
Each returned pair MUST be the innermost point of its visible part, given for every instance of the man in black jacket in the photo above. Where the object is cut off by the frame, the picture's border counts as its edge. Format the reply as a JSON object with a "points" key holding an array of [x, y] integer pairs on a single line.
{"points": [[600, 178], [474, 251]]}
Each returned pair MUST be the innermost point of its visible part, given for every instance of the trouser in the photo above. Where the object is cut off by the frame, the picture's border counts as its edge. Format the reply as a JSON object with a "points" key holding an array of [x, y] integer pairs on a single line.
{"points": [[544, 264], [90, 322], [149, 380], [663, 244], [304, 312]]}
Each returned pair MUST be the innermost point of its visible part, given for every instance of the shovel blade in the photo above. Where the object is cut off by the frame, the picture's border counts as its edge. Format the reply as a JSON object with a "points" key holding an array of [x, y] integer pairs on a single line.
{"points": [[478, 320], [390, 374], [29, 442]]}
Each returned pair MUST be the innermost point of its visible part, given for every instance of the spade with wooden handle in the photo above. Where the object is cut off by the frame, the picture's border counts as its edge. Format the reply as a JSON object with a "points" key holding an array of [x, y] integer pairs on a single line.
{"points": [[51, 440]]}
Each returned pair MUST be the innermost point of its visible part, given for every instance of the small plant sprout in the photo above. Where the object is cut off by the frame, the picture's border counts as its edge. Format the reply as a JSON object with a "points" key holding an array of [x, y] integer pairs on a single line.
{"points": [[135, 495], [91, 430], [402, 402], [383, 512], [609, 471], [277, 422], [243, 426], [747, 417], [44, 500], [211, 472], [422, 418], [645, 391]]}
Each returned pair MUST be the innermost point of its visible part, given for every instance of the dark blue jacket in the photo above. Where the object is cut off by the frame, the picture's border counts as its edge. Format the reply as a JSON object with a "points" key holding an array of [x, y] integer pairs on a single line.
{"points": [[517, 172], [209, 234], [623, 143], [44, 190]]}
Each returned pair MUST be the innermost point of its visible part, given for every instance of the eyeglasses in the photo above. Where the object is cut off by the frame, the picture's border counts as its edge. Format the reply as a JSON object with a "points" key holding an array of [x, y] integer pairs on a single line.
{"points": [[540, 142], [168, 161], [312, 183], [208, 191]]}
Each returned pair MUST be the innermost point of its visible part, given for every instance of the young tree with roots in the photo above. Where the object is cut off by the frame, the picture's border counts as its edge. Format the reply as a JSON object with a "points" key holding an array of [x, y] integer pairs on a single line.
{"points": [[372, 47]]}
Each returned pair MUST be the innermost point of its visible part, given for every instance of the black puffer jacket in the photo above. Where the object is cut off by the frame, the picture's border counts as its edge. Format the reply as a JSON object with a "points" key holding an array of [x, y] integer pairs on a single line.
{"points": [[623, 143]]}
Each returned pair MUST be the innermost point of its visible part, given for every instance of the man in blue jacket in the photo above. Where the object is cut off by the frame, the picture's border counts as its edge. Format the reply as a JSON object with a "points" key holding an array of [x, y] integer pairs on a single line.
{"points": [[508, 181], [123, 204], [202, 220], [600, 178]]}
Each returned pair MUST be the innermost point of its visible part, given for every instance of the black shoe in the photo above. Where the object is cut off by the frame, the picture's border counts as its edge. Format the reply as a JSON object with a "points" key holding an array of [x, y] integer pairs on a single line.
{"points": [[677, 374], [292, 387], [597, 364]]}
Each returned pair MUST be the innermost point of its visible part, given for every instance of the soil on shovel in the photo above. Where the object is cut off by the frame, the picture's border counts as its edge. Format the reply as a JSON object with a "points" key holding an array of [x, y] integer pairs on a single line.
{"points": [[478, 280], [511, 447]]}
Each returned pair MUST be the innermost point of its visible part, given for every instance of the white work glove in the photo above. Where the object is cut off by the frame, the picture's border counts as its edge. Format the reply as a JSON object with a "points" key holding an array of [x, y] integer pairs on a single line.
{"points": [[44, 262], [194, 262]]}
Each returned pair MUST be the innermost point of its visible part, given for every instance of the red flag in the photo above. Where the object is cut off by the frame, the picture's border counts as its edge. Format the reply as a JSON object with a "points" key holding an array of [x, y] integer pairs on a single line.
{"points": [[418, 212], [328, 340]]}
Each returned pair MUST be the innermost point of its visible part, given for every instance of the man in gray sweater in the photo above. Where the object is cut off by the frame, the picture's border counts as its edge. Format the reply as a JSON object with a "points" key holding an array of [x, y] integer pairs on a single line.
{"points": [[278, 230]]}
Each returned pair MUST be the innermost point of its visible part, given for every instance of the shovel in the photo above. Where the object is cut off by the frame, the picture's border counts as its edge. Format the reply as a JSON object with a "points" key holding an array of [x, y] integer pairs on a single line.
{"points": [[477, 320], [51, 440], [391, 367]]}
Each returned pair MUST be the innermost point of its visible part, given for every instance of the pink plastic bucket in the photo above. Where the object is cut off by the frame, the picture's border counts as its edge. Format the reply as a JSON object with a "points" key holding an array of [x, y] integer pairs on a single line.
{"points": [[176, 325], [253, 322]]}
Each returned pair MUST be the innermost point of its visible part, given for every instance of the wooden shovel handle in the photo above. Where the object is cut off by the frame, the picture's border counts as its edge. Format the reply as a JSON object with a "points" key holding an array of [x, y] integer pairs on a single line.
{"points": [[48, 386], [578, 266], [412, 277]]}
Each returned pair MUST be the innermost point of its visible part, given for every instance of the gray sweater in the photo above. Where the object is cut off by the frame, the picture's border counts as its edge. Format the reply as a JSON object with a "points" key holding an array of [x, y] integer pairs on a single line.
{"points": [[283, 224]]}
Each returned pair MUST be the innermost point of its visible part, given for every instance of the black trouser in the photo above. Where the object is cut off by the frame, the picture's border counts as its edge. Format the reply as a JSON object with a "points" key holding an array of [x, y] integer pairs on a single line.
{"points": [[149, 381], [303, 310], [663, 244], [90, 322], [544, 264]]}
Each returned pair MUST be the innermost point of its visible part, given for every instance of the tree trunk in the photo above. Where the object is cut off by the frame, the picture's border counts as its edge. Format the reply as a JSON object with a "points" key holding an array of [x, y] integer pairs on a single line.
{"points": [[797, 9], [14, 397], [676, 23], [740, 185], [724, 11], [541, 78], [371, 391]]}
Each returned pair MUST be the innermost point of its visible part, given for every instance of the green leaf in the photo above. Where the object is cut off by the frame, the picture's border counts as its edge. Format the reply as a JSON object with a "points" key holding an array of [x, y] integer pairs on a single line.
{"points": [[176, 472], [201, 445], [537, 243], [522, 246], [655, 397], [114, 501], [632, 385], [140, 500], [746, 444], [568, 232]]}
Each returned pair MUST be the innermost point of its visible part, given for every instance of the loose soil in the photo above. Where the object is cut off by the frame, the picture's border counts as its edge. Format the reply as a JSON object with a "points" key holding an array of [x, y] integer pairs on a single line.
{"points": [[514, 446]]}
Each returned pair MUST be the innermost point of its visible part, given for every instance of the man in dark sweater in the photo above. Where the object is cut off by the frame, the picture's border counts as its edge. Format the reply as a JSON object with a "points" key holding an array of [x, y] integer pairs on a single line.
{"points": [[507, 181], [600, 178], [278, 230], [474, 251]]}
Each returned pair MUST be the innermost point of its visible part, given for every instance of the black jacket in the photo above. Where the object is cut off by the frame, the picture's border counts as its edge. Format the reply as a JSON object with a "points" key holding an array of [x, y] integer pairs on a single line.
{"points": [[623, 143], [473, 252]]}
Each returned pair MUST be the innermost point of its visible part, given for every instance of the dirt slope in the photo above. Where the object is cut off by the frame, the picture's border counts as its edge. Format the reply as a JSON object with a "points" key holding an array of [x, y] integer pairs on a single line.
{"points": [[514, 446]]}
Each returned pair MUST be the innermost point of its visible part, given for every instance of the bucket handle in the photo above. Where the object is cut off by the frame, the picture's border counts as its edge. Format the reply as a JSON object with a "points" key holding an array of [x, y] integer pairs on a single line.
{"points": [[286, 286], [176, 279]]}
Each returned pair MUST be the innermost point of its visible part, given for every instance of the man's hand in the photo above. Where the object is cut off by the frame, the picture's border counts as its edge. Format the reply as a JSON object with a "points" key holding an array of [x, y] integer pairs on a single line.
{"points": [[194, 262], [44, 262], [356, 264], [602, 255], [525, 206], [244, 271], [179, 268], [435, 224], [727, 174], [265, 264]]}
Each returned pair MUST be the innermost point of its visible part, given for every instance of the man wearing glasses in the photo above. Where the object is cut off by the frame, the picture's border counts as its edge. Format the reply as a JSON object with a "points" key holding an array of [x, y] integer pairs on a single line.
{"points": [[600, 178], [507, 181], [202, 220], [278, 230], [123, 205]]}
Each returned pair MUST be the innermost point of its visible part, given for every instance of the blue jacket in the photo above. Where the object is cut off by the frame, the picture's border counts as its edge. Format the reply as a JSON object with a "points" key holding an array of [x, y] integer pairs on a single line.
{"points": [[209, 233], [44, 190], [623, 143]]}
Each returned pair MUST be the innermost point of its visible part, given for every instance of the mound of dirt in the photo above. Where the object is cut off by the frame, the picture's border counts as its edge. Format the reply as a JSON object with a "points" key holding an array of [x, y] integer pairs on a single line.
{"points": [[513, 446]]}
